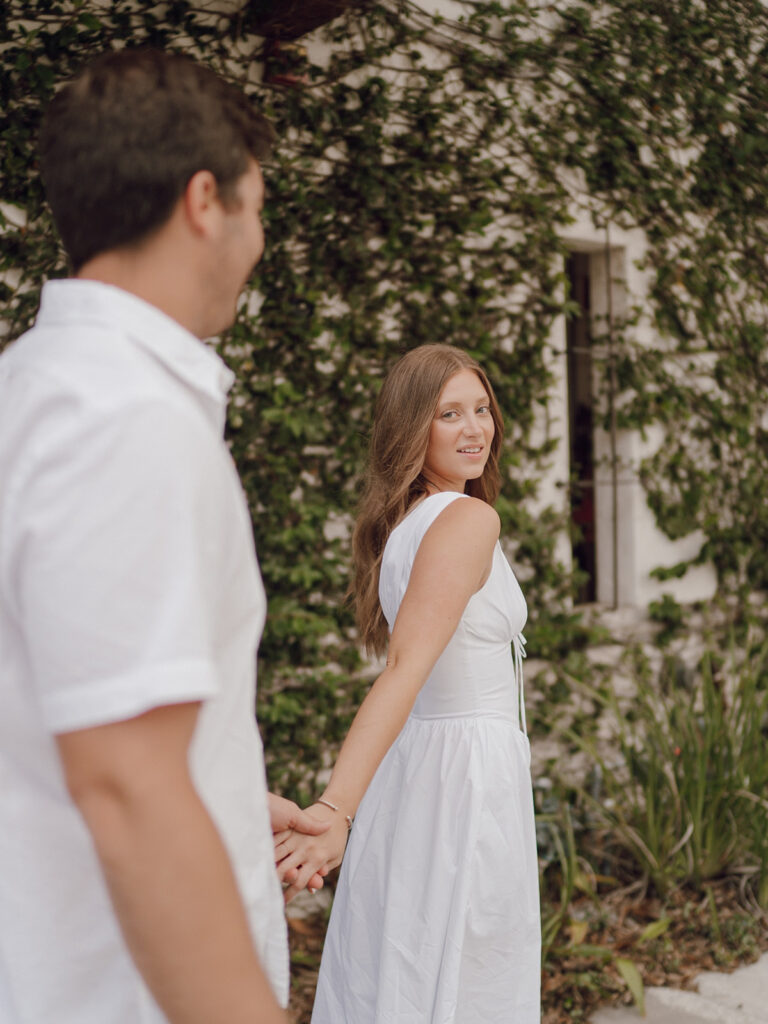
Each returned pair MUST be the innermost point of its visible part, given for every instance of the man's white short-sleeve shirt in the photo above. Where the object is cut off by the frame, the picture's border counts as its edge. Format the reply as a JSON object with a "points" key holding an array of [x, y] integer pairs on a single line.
{"points": [[128, 580]]}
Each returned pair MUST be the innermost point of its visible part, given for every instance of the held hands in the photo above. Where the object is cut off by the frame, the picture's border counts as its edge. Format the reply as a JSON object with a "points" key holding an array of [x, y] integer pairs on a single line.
{"points": [[285, 817], [301, 856]]}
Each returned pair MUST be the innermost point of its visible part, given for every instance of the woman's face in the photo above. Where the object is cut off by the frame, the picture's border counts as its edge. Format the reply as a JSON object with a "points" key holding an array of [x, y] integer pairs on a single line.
{"points": [[461, 433]]}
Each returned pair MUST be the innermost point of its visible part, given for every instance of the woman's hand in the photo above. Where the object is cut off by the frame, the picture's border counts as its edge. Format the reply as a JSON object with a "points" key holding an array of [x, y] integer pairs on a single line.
{"points": [[286, 817], [300, 857]]}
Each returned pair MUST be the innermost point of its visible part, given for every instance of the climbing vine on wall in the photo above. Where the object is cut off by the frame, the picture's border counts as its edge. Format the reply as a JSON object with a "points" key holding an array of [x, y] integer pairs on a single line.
{"points": [[426, 166]]}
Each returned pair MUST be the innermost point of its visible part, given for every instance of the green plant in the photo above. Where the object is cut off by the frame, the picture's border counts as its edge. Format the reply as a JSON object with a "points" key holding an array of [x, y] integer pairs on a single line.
{"points": [[670, 616], [560, 870], [566, 877], [684, 795]]}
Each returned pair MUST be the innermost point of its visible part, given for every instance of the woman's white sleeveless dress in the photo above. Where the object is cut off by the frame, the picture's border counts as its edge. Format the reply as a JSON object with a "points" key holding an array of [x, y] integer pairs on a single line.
{"points": [[436, 914]]}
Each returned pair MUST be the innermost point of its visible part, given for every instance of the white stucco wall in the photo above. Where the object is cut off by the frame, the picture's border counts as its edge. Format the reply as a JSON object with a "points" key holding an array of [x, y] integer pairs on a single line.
{"points": [[640, 545]]}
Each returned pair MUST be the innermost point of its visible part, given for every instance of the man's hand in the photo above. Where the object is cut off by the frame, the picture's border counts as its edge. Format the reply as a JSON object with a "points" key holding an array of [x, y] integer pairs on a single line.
{"points": [[288, 817], [285, 814]]}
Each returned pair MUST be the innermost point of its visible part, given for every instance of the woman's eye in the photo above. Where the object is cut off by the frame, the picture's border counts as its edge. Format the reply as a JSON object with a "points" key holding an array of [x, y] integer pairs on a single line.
{"points": [[449, 415], [484, 408]]}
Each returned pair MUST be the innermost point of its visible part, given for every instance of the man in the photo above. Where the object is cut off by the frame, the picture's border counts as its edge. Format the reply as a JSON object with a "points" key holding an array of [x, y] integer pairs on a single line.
{"points": [[137, 882]]}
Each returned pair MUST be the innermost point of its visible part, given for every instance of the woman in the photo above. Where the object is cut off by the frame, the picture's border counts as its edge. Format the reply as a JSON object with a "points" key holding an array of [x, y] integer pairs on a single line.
{"points": [[436, 915]]}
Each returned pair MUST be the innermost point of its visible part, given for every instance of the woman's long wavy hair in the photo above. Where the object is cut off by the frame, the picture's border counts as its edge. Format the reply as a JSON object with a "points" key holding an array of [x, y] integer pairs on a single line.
{"points": [[402, 420]]}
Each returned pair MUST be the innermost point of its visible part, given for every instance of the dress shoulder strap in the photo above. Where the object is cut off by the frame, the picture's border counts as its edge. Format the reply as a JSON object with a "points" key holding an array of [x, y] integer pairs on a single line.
{"points": [[421, 517]]}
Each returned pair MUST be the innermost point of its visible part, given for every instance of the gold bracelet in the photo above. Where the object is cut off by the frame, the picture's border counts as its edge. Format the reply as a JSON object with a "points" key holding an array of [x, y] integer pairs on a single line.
{"points": [[327, 803]]}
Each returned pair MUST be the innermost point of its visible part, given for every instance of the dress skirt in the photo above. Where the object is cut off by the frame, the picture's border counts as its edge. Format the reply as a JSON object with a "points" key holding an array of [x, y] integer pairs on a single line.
{"points": [[436, 914]]}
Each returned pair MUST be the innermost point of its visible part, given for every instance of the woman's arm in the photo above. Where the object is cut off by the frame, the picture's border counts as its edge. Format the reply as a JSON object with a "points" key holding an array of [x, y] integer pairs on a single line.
{"points": [[452, 563]]}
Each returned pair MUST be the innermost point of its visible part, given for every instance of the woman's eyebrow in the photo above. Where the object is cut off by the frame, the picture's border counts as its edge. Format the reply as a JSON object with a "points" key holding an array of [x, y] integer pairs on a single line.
{"points": [[457, 401]]}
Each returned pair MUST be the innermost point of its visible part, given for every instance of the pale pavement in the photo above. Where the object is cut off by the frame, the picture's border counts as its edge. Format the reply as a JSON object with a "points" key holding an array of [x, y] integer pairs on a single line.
{"points": [[737, 998]]}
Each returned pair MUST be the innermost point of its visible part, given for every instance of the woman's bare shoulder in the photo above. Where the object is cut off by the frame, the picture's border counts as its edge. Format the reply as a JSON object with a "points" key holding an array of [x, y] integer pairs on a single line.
{"points": [[467, 516]]}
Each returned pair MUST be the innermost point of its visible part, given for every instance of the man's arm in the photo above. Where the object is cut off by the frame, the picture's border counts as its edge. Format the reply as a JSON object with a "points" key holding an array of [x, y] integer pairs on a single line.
{"points": [[168, 873]]}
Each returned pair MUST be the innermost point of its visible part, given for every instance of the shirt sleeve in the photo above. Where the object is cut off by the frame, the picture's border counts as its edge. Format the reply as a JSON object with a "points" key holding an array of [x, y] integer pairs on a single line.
{"points": [[118, 531]]}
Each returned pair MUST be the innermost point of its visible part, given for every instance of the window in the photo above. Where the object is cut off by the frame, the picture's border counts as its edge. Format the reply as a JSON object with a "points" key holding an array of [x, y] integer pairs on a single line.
{"points": [[580, 427]]}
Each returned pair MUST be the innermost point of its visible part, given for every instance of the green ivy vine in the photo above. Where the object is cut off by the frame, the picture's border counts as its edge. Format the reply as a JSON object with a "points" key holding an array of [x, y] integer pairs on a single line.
{"points": [[424, 174]]}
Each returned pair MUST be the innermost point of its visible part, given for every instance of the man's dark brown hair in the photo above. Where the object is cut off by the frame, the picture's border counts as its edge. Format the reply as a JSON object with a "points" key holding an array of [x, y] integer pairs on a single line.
{"points": [[120, 142]]}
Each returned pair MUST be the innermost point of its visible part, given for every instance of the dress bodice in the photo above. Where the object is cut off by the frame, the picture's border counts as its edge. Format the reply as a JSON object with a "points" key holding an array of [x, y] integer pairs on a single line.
{"points": [[480, 670]]}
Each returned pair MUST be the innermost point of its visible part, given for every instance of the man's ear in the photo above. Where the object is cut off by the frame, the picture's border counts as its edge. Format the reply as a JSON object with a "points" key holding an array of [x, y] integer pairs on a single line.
{"points": [[202, 205]]}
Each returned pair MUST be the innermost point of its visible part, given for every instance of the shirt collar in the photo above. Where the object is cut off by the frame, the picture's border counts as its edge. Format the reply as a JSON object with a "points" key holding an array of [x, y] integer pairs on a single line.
{"points": [[74, 300]]}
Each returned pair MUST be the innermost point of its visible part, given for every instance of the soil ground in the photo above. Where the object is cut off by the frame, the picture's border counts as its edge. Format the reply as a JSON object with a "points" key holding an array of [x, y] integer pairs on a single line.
{"points": [[716, 931]]}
